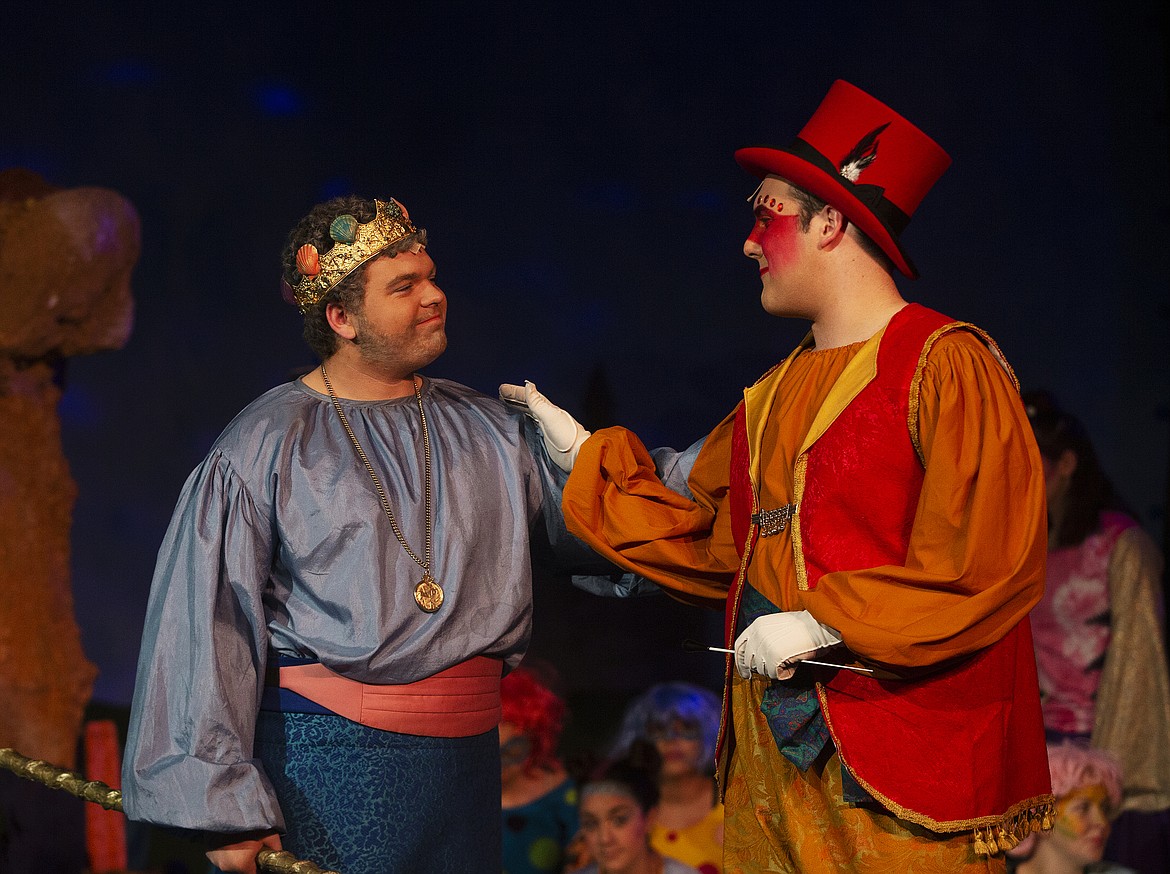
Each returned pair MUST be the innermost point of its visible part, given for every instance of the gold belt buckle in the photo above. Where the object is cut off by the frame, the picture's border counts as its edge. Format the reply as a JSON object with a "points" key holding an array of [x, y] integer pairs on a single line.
{"points": [[774, 521]]}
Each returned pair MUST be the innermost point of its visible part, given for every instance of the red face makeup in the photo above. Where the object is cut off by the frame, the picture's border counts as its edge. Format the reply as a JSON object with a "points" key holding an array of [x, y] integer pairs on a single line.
{"points": [[774, 232]]}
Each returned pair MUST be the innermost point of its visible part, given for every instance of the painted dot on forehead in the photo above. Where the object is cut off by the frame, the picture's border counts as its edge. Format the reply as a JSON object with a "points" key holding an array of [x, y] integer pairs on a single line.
{"points": [[768, 201]]}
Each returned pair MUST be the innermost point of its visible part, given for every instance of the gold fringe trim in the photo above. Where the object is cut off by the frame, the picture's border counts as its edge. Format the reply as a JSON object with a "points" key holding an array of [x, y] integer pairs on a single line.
{"points": [[1006, 834], [993, 834]]}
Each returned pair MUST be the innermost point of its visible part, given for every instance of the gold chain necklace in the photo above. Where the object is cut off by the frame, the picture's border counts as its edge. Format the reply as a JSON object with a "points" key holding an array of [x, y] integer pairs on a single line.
{"points": [[427, 594]]}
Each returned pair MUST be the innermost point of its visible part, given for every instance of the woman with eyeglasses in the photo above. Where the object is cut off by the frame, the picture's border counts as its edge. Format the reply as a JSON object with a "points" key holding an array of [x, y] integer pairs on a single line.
{"points": [[681, 720], [538, 798]]}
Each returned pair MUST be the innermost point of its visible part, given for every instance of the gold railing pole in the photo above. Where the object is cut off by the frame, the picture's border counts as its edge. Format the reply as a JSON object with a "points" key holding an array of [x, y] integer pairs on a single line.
{"points": [[59, 778], [284, 862], [274, 861]]}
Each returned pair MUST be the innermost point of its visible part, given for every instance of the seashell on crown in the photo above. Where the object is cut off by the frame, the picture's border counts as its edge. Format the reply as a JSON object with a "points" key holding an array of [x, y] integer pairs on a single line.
{"points": [[354, 244]]}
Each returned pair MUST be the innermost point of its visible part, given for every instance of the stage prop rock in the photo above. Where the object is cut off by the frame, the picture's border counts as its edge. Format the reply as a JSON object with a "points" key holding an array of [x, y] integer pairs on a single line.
{"points": [[65, 263]]}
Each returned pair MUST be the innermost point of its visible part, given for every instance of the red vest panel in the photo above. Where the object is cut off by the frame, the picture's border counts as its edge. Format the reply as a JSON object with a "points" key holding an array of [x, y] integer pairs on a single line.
{"points": [[960, 748]]}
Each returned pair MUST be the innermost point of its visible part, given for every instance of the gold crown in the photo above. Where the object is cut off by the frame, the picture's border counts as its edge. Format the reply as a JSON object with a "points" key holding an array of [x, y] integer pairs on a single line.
{"points": [[354, 244]]}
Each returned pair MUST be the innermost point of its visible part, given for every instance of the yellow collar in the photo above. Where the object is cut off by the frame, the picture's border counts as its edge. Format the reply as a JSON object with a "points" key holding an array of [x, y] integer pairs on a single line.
{"points": [[760, 398]]}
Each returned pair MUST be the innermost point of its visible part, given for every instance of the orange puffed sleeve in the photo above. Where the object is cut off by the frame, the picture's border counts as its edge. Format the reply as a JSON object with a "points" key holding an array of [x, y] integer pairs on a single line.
{"points": [[975, 564], [615, 502]]}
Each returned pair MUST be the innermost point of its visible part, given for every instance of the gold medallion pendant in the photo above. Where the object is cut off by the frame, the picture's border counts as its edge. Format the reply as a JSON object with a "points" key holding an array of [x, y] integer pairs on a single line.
{"points": [[428, 594]]}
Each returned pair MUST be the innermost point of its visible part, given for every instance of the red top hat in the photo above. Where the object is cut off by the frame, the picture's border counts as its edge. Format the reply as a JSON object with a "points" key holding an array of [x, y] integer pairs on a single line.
{"points": [[860, 156]]}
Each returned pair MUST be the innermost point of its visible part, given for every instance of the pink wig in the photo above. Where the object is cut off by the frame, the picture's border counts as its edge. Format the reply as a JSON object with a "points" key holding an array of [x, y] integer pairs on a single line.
{"points": [[1074, 766]]}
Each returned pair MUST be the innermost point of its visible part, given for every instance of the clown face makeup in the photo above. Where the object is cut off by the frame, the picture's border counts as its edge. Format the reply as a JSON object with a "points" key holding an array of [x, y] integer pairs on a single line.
{"points": [[779, 239], [1082, 825], [515, 748], [775, 231], [515, 751], [780, 245], [680, 744]]}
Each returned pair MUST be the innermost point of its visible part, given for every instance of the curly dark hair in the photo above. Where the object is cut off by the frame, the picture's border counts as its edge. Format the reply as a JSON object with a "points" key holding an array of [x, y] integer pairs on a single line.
{"points": [[1089, 489], [350, 292], [636, 771]]}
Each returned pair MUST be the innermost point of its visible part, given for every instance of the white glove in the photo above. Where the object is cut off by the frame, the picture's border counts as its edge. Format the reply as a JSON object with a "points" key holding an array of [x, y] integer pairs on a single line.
{"points": [[563, 435], [772, 643]]}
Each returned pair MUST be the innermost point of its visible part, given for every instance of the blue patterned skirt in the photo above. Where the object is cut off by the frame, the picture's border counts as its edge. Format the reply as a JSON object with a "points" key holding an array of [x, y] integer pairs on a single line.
{"points": [[364, 801]]}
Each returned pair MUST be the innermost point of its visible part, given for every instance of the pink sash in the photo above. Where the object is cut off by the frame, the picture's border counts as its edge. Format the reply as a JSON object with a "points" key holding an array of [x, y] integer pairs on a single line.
{"points": [[461, 701]]}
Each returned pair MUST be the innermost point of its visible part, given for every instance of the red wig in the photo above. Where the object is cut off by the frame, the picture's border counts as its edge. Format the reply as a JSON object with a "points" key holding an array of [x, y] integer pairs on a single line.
{"points": [[536, 712]]}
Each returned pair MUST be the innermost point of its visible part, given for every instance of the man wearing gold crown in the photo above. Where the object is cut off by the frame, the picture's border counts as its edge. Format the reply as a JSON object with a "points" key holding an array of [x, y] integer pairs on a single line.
{"points": [[871, 517], [344, 580]]}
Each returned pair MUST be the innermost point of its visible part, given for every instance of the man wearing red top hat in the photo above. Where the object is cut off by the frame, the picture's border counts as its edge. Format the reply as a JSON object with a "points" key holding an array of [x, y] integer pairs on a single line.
{"points": [[871, 517]]}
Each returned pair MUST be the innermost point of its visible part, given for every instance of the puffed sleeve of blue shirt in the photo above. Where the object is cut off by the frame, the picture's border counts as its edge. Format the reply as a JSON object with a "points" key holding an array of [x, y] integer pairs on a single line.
{"points": [[188, 760]]}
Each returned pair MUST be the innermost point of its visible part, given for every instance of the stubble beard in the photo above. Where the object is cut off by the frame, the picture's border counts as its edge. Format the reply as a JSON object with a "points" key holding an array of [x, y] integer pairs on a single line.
{"points": [[400, 357]]}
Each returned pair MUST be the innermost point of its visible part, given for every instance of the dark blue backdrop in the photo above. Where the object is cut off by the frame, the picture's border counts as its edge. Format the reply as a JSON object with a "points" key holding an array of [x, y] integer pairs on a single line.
{"points": [[572, 163]]}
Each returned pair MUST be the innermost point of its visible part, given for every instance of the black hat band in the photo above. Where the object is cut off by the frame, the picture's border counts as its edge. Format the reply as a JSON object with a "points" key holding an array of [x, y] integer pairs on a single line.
{"points": [[873, 196]]}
